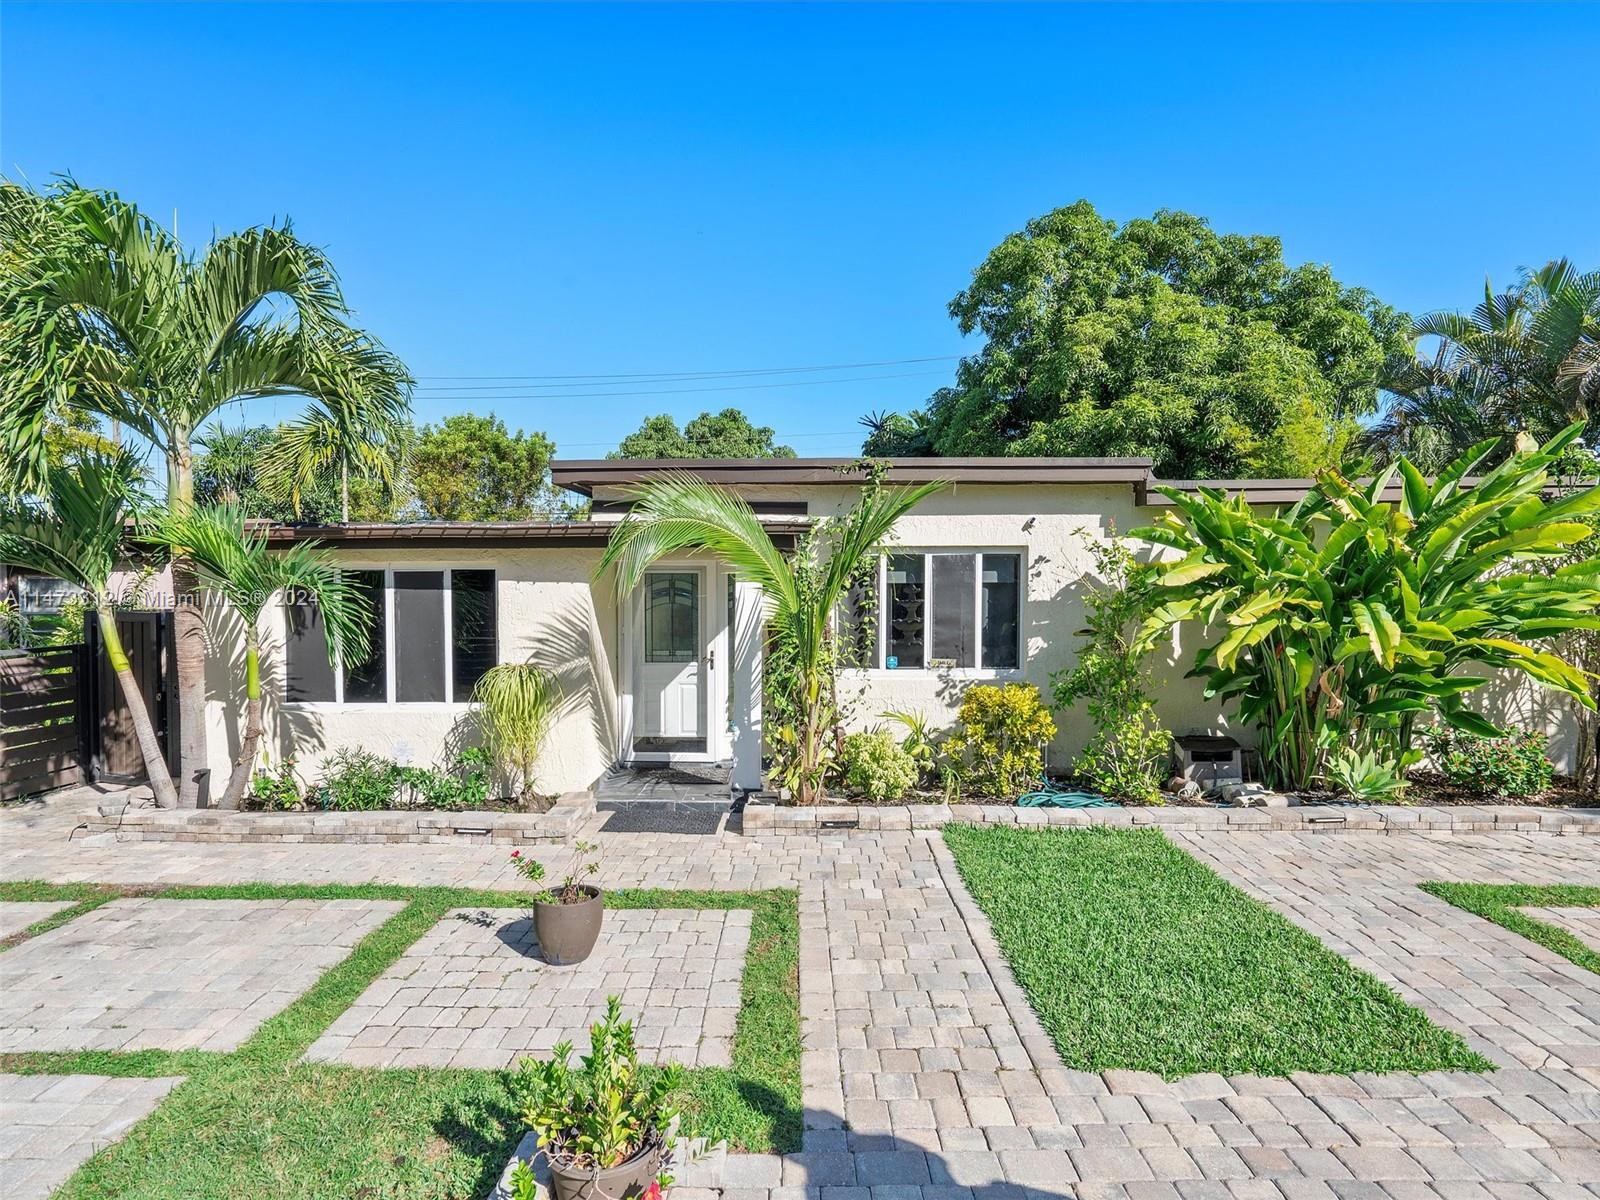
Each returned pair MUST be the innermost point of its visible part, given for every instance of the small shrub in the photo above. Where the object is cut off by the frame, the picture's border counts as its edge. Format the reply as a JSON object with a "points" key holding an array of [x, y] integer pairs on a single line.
{"points": [[876, 767], [1126, 756], [277, 790], [1513, 767], [1366, 777], [1000, 738], [356, 780], [919, 742], [465, 785]]}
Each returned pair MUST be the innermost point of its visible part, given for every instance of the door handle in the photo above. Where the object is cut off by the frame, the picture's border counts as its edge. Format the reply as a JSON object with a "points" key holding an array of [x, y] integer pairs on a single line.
{"points": [[711, 658]]}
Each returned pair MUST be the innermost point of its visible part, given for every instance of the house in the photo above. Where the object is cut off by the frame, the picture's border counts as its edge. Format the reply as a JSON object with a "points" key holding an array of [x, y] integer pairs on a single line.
{"points": [[983, 583]]}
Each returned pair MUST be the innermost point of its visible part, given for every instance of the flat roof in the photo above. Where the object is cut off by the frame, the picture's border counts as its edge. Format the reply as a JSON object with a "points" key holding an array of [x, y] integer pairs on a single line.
{"points": [[584, 475], [457, 535]]}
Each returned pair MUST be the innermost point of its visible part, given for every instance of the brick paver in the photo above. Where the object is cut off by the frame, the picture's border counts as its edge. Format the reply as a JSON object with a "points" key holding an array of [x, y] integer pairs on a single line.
{"points": [[17, 915], [152, 974], [925, 1077], [49, 1124], [472, 992], [1581, 923]]}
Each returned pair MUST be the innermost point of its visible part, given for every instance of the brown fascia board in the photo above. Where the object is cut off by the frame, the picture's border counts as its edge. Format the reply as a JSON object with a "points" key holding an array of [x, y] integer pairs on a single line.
{"points": [[1256, 491], [584, 475], [457, 535]]}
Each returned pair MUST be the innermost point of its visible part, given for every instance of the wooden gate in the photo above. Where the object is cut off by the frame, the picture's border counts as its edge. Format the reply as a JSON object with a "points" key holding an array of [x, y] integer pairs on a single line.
{"points": [[43, 720], [113, 748]]}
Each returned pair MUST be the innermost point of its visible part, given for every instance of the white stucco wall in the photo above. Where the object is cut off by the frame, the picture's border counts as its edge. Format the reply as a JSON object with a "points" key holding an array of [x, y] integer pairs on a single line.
{"points": [[552, 610]]}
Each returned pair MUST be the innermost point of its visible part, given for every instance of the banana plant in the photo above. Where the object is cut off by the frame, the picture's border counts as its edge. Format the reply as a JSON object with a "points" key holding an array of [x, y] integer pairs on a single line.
{"points": [[1342, 620]]}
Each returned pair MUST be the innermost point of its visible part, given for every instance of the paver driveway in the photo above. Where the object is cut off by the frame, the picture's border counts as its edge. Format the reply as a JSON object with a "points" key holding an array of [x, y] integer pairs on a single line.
{"points": [[925, 1077]]}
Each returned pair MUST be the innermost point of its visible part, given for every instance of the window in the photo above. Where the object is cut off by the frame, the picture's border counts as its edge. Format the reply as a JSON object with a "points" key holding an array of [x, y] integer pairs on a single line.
{"points": [[434, 635], [672, 617], [942, 609]]}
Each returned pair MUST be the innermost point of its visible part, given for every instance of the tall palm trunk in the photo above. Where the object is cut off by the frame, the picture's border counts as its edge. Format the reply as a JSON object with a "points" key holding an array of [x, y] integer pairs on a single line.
{"points": [[344, 490], [143, 730], [189, 639], [250, 743]]}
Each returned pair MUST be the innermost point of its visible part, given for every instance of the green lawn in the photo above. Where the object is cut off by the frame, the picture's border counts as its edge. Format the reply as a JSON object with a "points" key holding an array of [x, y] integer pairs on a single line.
{"points": [[1136, 956], [258, 1123], [1498, 902]]}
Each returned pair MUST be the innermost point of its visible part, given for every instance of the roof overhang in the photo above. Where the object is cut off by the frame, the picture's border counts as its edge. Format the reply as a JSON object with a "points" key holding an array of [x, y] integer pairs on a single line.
{"points": [[458, 535], [584, 475]]}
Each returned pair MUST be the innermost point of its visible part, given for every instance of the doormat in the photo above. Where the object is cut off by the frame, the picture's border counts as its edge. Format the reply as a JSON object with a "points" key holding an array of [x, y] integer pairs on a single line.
{"points": [[700, 819]]}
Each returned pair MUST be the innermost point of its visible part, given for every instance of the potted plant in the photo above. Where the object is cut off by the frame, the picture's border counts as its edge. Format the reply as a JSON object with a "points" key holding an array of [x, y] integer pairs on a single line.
{"points": [[566, 918], [605, 1128]]}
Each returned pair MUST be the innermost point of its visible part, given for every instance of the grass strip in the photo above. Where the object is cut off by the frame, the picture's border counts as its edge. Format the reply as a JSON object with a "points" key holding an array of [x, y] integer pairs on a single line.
{"points": [[260, 1123], [1499, 902], [1137, 956]]}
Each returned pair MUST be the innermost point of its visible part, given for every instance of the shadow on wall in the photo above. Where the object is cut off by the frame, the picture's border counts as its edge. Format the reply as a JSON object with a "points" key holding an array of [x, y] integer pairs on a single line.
{"points": [[1515, 702]]}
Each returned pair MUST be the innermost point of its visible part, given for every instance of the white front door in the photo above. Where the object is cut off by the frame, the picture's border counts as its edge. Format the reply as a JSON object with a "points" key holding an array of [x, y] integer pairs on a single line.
{"points": [[670, 675]]}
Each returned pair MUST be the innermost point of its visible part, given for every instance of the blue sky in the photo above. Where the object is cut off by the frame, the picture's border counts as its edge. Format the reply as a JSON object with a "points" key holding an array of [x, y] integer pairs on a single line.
{"points": [[639, 191]]}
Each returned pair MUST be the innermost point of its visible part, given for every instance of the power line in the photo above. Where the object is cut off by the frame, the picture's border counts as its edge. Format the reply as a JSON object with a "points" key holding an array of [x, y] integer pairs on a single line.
{"points": [[684, 376], [738, 387]]}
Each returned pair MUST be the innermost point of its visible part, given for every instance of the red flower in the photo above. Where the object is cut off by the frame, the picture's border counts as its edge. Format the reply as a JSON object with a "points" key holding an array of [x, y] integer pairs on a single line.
{"points": [[653, 1192], [516, 854]]}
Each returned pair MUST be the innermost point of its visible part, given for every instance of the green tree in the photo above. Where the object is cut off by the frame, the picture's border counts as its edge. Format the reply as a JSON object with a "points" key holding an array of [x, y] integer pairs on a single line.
{"points": [[1526, 360], [469, 468], [1340, 621], [234, 561], [336, 438], [803, 592], [231, 467], [73, 528], [112, 316], [1161, 338], [727, 434]]}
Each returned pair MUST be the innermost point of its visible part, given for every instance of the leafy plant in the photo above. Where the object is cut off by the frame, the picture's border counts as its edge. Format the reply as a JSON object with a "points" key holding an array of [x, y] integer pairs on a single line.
{"points": [[1000, 737], [1342, 620], [1126, 754], [570, 889], [1365, 777], [876, 767], [803, 591], [920, 742], [465, 784], [356, 780], [516, 704], [1513, 767], [277, 789], [608, 1111]]}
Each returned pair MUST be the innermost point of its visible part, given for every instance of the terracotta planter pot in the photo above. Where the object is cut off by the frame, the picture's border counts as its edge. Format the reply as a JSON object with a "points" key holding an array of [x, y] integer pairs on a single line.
{"points": [[625, 1181], [567, 932]]}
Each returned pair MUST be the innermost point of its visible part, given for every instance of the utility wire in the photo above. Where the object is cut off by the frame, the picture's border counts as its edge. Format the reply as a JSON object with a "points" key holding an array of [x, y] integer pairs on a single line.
{"points": [[738, 387], [670, 376]]}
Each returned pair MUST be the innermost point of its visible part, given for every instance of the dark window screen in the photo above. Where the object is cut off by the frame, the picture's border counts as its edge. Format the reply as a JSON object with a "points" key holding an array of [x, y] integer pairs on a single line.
{"points": [[954, 622], [307, 675], [473, 629], [418, 636], [1002, 605], [908, 615], [365, 680]]}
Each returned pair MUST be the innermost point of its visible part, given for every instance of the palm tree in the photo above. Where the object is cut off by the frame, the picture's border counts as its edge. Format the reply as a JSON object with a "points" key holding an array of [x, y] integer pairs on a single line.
{"points": [[113, 316], [234, 561], [1526, 360], [802, 592], [336, 435], [74, 528]]}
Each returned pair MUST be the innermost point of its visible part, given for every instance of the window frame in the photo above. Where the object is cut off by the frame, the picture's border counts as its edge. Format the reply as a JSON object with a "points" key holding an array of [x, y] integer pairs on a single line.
{"points": [[928, 553], [447, 592]]}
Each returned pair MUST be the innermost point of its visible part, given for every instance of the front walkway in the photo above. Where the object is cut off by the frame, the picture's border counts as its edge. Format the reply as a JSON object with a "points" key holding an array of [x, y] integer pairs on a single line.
{"points": [[926, 1078]]}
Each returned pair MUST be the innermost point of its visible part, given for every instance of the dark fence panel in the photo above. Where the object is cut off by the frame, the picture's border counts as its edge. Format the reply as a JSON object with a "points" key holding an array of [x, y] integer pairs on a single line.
{"points": [[43, 720]]}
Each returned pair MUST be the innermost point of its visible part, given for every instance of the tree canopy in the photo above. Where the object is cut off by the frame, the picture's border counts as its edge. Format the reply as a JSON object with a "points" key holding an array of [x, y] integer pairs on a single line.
{"points": [[1160, 337], [1524, 361], [727, 434], [470, 468]]}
